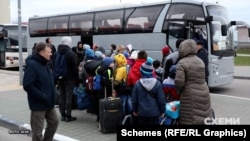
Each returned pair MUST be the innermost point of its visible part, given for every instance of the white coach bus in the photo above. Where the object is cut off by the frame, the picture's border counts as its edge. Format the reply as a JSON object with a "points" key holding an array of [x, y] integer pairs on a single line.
{"points": [[9, 46], [147, 26]]}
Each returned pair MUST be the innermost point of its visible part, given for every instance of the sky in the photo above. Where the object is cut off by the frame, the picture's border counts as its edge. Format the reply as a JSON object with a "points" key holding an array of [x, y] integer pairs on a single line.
{"points": [[238, 9]]}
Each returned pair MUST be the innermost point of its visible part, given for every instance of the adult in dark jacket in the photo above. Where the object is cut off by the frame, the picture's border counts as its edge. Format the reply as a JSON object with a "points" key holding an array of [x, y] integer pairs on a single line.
{"points": [[38, 82], [148, 100], [67, 84], [195, 103], [53, 49], [80, 51], [203, 55]]}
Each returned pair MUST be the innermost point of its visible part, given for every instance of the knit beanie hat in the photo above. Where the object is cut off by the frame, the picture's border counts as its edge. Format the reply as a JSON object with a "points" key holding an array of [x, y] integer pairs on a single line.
{"points": [[67, 41], [98, 53], [89, 53], [165, 50], [85, 46], [108, 60], [146, 69], [150, 60]]}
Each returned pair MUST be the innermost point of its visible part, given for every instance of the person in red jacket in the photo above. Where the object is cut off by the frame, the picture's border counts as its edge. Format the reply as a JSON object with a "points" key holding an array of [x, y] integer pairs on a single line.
{"points": [[134, 72]]}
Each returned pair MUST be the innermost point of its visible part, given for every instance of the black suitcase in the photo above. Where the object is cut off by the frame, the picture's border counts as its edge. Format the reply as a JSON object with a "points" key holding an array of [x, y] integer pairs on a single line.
{"points": [[110, 114], [110, 110]]}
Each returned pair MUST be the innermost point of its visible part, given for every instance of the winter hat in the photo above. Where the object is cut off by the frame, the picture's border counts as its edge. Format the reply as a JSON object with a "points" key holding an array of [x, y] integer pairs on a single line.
{"points": [[108, 60], [89, 53], [98, 53], [85, 46], [146, 68], [129, 47], [165, 50], [198, 42], [95, 46], [67, 41], [125, 54], [150, 60], [172, 71]]}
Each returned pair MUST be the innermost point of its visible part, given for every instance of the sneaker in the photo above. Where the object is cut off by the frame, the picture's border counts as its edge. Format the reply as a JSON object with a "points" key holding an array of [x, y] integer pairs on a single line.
{"points": [[70, 118]]}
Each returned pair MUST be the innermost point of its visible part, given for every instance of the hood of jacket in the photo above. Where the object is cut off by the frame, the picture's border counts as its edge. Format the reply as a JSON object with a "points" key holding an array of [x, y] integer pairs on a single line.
{"points": [[120, 60], [187, 47], [148, 83], [63, 48]]}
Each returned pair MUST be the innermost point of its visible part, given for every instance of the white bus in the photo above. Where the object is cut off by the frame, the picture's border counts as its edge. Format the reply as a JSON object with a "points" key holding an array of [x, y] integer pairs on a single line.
{"points": [[148, 27], [9, 47]]}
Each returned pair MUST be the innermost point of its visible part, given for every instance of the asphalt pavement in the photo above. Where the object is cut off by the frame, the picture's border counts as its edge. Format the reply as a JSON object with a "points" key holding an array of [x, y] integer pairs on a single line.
{"points": [[15, 114]]}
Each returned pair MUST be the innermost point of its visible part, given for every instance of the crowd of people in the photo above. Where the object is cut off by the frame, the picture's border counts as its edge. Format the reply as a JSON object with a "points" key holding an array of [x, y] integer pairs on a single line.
{"points": [[143, 83]]}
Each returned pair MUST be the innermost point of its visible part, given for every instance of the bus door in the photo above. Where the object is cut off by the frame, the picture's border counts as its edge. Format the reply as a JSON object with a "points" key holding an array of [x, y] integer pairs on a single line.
{"points": [[2, 51], [87, 39], [174, 30]]}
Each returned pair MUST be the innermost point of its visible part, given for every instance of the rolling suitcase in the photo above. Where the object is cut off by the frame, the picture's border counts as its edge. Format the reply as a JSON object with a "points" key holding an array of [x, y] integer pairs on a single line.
{"points": [[110, 109]]}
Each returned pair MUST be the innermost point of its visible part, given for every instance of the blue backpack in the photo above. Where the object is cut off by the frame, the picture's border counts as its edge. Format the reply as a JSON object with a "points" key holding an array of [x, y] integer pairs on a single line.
{"points": [[97, 82], [60, 65]]}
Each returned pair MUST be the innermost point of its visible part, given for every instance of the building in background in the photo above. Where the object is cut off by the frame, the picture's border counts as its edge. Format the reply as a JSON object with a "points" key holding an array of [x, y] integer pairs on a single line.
{"points": [[5, 11], [243, 37]]}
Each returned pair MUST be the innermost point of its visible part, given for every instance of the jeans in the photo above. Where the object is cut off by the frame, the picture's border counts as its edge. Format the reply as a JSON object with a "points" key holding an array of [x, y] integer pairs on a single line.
{"points": [[37, 124], [65, 97], [126, 104]]}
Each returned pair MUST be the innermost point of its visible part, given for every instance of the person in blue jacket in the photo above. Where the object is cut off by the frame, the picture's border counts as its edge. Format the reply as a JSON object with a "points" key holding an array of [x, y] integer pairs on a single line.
{"points": [[148, 97], [38, 82]]}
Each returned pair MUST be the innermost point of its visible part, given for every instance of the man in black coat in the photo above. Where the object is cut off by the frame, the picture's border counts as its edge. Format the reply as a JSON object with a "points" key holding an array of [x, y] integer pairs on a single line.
{"points": [[38, 82], [203, 55], [71, 79]]}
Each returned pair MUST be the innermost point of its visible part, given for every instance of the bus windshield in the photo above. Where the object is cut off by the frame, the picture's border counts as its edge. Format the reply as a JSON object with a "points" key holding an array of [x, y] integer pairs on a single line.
{"points": [[220, 17], [12, 34]]}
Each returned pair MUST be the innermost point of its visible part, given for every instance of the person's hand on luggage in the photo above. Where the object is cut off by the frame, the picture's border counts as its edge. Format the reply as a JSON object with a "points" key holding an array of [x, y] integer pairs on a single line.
{"points": [[162, 115], [135, 114], [114, 93]]}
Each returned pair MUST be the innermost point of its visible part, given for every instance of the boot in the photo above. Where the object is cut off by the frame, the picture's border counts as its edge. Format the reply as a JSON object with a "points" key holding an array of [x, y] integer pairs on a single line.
{"points": [[63, 117], [70, 118]]}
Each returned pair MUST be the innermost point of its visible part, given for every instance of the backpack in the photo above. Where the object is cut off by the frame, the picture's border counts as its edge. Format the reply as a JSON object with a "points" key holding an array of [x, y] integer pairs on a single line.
{"points": [[60, 65], [97, 80], [82, 98], [91, 65], [89, 83]]}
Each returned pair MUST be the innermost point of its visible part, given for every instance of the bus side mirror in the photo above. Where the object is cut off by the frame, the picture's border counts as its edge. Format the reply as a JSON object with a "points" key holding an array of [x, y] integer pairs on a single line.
{"points": [[232, 23], [224, 30], [208, 19], [248, 32]]}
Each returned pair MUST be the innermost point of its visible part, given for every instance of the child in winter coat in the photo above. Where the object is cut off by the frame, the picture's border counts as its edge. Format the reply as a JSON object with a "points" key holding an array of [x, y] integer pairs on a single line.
{"points": [[106, 72], [148, 97], [158, 69], [168, 86]]}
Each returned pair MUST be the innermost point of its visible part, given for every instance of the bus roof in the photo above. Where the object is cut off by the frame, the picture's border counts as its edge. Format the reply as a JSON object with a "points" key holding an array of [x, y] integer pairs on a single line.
{"points": [[12, 25], [124, 5]]}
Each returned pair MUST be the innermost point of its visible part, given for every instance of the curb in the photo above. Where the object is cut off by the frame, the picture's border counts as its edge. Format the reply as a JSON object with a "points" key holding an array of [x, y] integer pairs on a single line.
{"points": [[242, 77], [16, 127]]}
